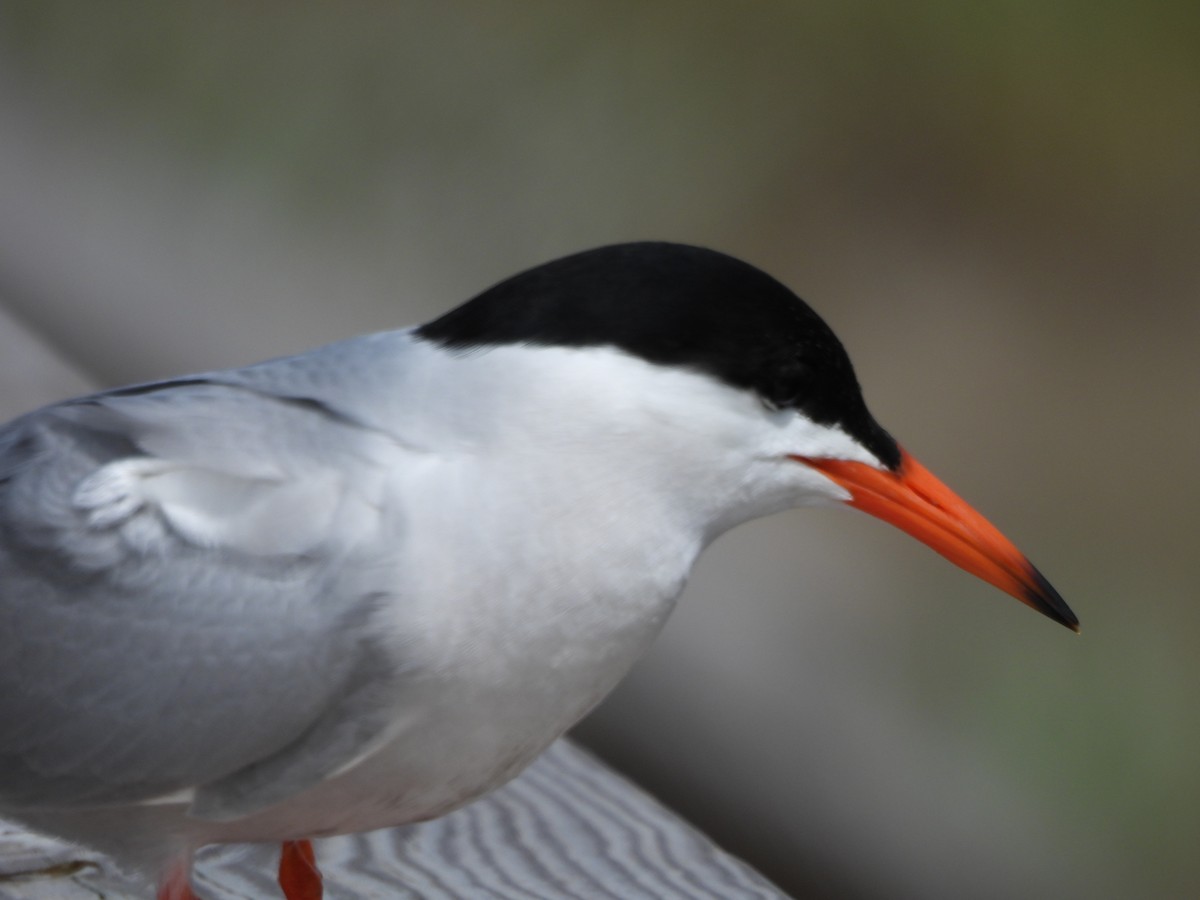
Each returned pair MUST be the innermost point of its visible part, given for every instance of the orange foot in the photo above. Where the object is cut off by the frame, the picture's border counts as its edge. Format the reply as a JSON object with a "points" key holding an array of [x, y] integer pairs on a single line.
{"points": [[298, 873]]}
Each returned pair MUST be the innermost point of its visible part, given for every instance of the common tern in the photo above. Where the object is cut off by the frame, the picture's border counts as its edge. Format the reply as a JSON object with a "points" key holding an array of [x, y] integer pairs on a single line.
{"points": [[364, 585]]}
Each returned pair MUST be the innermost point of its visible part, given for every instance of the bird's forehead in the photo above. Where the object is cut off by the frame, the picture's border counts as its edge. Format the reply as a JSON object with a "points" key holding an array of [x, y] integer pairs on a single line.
{"points": [[676, 307]]}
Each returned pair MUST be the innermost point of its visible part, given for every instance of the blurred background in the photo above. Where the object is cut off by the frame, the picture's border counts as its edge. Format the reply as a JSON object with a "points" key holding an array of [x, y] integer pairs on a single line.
{"points": [[995, 205]]}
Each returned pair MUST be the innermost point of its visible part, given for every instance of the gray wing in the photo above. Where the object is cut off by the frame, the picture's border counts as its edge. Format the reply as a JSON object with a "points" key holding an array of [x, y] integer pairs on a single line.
{"points": [[184, 598]]}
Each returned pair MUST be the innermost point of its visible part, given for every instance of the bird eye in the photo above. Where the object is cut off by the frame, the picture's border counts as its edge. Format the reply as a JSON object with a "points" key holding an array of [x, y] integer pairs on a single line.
{"points": [[768, 404]]}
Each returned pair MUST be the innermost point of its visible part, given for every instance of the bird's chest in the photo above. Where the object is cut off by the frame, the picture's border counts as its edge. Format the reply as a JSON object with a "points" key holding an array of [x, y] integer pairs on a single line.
{"points": [[546, 625], [544, 587], [494, 690], [509, 641], [516, 604]]}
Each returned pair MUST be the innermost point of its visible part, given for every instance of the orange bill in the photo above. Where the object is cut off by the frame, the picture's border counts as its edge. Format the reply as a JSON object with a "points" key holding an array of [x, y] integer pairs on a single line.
{"points": [[916, 502]]}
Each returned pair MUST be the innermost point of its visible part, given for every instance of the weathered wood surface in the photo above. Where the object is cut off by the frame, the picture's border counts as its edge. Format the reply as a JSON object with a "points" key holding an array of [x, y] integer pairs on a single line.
{"points": [[567, 828]]}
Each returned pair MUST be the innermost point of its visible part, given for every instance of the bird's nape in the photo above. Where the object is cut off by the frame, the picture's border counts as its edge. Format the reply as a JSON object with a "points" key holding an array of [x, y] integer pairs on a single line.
{"points": [[914, 500]]}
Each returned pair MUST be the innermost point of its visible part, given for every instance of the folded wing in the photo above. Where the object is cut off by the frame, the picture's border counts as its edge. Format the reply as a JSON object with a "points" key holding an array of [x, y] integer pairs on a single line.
{"points": [[184, 597]]}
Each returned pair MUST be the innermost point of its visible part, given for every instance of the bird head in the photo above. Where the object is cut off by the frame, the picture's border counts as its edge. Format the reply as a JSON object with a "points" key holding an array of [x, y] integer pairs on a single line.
{"points": [[678, 307]]}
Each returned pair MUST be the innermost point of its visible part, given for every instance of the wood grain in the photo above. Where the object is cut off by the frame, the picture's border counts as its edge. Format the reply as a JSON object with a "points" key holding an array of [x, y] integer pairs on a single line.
{"points": [[569, 827]]}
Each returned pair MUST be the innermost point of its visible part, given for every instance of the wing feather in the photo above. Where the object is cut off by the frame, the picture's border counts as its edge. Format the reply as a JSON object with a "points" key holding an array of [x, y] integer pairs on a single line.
{"points": [[182, 595]]}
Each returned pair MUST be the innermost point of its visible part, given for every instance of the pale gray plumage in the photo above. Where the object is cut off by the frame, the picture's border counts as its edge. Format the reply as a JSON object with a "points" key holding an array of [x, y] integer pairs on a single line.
{"points": [[169, 626]]}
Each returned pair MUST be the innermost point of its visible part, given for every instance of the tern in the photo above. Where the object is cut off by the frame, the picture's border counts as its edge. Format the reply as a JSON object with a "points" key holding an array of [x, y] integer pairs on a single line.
{"points": [[364, 585]]}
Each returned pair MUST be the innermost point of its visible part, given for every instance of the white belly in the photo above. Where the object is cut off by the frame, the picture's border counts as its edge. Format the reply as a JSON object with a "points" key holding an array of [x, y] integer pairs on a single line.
{"points": [[457, 737]]}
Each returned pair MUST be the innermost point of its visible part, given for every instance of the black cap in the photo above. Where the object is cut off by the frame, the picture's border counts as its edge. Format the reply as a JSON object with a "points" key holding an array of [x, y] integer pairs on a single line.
{"points": [[676, 305]]}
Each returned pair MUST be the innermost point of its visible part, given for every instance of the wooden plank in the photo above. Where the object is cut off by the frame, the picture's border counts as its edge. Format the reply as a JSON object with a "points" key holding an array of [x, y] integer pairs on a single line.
{"points": [[32, 372], [569, 827]]}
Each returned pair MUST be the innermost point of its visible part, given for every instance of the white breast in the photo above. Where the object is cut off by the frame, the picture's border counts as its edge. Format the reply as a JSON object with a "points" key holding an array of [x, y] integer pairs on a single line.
{"points": [[547, 516]]}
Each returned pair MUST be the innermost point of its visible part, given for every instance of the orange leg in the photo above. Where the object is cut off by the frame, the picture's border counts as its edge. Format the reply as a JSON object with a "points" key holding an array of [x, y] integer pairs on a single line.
{"points": [[298, 873], [177, 882]]}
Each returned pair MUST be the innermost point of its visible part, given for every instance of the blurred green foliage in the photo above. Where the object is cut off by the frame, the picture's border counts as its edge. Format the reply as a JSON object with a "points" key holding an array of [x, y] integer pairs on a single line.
{"points": [[1013, 95]]}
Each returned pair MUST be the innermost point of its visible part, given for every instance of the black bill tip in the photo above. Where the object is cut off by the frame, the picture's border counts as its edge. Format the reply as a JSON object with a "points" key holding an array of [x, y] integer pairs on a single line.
{"points": [[1042, 596]]}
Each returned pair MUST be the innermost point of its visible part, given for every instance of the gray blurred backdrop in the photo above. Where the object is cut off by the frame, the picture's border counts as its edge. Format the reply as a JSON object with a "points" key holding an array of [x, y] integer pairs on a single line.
{"points": [[996, 206]]}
